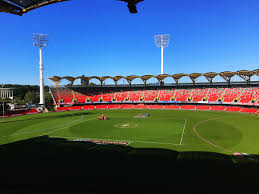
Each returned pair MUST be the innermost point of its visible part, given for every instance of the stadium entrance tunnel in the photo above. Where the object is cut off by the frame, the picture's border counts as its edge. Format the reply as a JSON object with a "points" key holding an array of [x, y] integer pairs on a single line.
{"points": [[56, 164]]}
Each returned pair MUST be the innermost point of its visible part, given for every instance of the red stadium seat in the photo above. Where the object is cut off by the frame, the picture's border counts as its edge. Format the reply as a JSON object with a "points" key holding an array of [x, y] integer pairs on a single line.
{"points": [[31, 111], [120, 96], [188, 107], [62, 109], [101, 106], [182, 94], [150, 95], [113, 106], [203, 107], [249, 110], [249, 95], [233, 108], [135, 95], [166, 95], [88, 107], [126, 106], [156, 106], [139, 106], [108, 96], [219, 108], [76, 108], [172, 107], [199, 94]]}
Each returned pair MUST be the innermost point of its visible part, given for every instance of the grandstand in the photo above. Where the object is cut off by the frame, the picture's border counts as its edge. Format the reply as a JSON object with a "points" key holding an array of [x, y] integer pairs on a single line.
{"points": [[6, 93], [220, 96]]}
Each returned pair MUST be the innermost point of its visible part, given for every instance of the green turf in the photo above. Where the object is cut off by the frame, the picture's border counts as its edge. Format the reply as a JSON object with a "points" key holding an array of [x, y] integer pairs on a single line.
{"points": [[228, 132]]}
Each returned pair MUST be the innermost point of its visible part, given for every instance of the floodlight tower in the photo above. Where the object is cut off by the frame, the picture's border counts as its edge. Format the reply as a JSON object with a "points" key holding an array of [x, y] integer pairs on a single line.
{"points": [[41, 40], [162, 41]]}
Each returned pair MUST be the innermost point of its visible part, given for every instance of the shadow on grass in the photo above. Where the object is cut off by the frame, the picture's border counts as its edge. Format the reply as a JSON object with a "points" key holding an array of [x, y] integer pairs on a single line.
{"points": [[46, 164], [50, 117]]}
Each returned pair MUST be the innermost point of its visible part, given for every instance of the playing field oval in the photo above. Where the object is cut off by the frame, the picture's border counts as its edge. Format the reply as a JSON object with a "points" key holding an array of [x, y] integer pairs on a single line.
{"points": [[170, 129], [124, 126]]}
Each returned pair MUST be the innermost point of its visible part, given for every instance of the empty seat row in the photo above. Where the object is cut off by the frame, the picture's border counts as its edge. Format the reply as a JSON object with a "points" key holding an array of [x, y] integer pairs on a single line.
{"points": [[171, 106], [228, 95]]}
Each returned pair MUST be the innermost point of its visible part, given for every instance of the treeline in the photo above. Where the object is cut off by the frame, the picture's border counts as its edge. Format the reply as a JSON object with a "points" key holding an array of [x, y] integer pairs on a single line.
{"points": [[28, 94]]}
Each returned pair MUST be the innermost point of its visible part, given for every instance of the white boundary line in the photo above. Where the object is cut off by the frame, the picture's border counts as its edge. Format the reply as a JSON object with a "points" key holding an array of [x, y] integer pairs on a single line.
{"points": [[31, 132], [60, 127], [207, 141], [150, 142], [67, 126], [181, 140], [129, 141]]}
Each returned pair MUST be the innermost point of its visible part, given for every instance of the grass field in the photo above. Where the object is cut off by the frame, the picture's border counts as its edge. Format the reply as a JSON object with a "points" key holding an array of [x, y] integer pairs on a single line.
{"points": [[176, 130]]}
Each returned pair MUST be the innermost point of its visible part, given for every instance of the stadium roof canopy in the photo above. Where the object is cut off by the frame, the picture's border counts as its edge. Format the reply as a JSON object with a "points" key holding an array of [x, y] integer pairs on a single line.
{"points": [[146, 77], [179, 76], [210, 75], [245, 74], [256, 72], [20, 7], [163, 76], [131, 78], [55, 78], [194, 76], [117, 78], [227, 75], [82, 77]]}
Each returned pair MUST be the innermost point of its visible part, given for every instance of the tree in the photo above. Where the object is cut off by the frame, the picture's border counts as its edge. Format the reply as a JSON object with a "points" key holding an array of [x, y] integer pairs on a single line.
{"points": [[29, 94], [30, 97], [18, 100], [48, 98]]}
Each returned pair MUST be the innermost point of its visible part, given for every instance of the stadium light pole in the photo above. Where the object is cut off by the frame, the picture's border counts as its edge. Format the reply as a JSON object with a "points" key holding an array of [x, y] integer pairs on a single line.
{"points": [[162, 41], [3, 108], [41, 40]]}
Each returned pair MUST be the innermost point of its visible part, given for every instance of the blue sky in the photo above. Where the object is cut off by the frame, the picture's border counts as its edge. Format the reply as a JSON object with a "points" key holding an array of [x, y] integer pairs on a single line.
{"points": [[100, 37]]}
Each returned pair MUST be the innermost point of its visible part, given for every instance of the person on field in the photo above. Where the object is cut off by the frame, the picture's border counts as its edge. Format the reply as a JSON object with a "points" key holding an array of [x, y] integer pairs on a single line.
{"points": [[102, 117]]}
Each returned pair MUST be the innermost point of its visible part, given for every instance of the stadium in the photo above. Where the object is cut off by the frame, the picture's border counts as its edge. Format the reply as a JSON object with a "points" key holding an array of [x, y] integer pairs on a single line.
{"points": [[214, 124], [172, 106], [239, 97], [131, 134]]}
